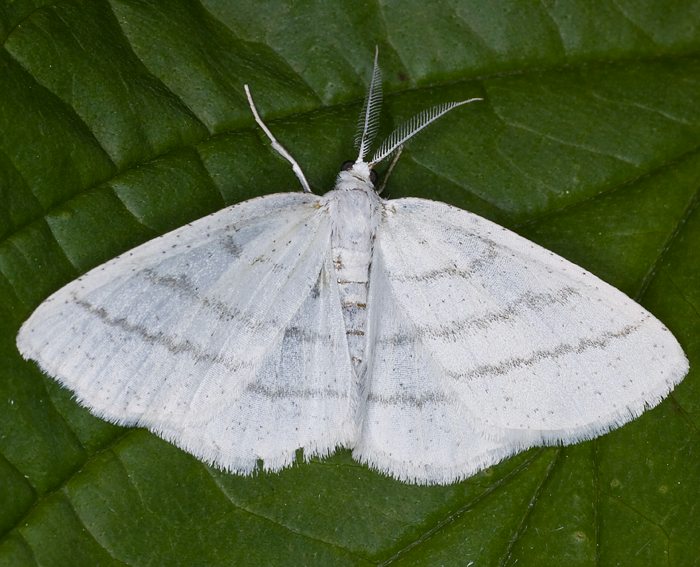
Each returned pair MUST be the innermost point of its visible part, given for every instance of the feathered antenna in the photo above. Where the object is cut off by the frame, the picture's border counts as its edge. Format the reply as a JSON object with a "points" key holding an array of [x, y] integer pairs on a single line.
{"points": [[369, 117], [411, 127]]}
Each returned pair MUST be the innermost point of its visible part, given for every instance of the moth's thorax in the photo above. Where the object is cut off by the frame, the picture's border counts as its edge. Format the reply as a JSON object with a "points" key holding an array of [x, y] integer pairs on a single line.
{"points": [[354, 207], [355, 210]]}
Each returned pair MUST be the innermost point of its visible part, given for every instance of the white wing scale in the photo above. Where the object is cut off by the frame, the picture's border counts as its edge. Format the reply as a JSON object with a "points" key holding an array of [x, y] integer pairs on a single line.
{"points": [[535, 349], [413, 426], [224, 336]]}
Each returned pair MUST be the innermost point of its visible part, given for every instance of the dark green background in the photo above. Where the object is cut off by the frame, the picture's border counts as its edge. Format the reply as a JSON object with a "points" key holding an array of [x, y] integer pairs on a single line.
{"points": [[122, 119]]}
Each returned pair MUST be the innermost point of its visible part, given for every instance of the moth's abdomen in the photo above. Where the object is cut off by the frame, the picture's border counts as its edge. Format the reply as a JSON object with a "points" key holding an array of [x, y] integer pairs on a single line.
{"points": [[355, 213], [353, 283]]}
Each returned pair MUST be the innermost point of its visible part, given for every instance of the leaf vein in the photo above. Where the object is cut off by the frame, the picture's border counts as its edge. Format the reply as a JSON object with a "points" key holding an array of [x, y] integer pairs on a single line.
{"points": [[88, 529], [522, 525], [275, 522], [673, 236], [453, 516]]}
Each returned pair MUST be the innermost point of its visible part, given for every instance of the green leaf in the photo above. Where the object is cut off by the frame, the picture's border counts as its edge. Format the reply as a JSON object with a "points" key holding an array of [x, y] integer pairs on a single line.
{"points": [[122, 119]]}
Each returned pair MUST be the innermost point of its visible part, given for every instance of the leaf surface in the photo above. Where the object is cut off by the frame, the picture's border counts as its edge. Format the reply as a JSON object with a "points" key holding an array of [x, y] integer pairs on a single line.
{"points": [[123, 119]]}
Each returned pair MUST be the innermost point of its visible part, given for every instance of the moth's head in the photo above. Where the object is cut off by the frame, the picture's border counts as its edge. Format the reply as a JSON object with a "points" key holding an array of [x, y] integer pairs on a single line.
{"points": [[354, 171], [368, 124]]}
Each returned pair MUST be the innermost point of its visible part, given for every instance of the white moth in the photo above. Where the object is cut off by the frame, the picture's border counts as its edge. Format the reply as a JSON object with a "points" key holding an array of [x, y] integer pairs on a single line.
{"points": [[430, 341]]}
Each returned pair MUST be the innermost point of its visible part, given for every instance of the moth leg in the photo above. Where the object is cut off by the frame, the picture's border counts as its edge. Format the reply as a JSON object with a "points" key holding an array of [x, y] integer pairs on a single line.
{"points": [[386, 176]]}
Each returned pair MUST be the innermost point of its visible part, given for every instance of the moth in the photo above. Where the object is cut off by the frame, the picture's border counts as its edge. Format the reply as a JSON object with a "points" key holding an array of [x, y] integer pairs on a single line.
{"points": [[430, 341]]}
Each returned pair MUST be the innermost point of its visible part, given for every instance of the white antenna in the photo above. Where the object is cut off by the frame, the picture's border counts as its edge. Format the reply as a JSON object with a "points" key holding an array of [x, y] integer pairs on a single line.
{"points": [[279, 148], [368, 122], [411, 127]]}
